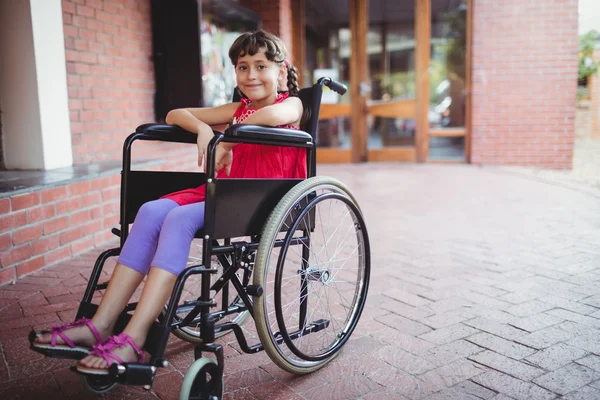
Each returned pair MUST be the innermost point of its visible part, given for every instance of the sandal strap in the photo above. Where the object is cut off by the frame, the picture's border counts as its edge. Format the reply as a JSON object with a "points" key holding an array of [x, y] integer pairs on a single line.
{"points": [[105, 349], [57, 330]]}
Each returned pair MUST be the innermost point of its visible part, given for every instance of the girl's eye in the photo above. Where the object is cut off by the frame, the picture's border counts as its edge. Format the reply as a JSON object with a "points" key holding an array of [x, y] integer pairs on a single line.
{"points": [[262, 66], [242, 68]]}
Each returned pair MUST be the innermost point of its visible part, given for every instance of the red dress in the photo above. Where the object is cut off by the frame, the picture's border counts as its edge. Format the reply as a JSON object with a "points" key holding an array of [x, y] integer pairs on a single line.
{"points": [[253, 160]]}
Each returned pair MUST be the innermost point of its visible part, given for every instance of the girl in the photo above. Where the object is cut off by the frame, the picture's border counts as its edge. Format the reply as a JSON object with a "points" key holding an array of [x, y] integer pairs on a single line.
{"points": [[159, 242]]}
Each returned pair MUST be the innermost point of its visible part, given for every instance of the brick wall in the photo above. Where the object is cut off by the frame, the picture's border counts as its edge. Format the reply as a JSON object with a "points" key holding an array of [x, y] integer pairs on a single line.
{"points": [[108, 46], [111, 91], [276, 17], [44, 227], [524, 82]]}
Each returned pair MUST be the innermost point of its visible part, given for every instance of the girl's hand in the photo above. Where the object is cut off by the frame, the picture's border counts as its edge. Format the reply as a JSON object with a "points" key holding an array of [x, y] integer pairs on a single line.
{"points": [[223, 159], [205, 135]]}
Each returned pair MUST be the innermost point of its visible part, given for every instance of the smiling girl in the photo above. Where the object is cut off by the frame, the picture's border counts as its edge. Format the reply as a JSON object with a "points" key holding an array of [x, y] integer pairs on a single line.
{"points": [[159, 242]]}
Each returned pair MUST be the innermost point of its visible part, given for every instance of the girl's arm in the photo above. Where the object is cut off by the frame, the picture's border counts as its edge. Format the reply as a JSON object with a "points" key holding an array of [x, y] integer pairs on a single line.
{"points": [[196, 119], [288, 112]]}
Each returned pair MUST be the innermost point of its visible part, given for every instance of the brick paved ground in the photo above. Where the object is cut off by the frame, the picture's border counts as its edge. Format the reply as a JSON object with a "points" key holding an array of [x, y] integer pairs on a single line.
{"points": [[485, 285]]}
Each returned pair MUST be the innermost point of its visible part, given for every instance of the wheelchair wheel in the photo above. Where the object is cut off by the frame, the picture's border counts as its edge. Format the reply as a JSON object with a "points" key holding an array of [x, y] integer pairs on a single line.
{"points": [[191, 291], [313, 263], [200, 381], [97, 384]]}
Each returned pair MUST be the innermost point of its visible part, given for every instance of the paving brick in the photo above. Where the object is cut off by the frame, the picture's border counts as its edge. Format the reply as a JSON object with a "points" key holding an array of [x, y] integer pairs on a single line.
{"points": [[403, 324], [404, 297], [507, 365], [247, 378], [495, 328], [241, 394], [575, 306], [568, 378], [556, 356], [452, 374], [575, 317], [449, 334], [470, 388], [501, 346], [383, 394], [404, 361], [545, 337], [402, 383], [592, 361], [42, 387], [536, 322], [529, 308], [584, 393], [512, 387], [405, 310], [450, 352], [446, 319]]}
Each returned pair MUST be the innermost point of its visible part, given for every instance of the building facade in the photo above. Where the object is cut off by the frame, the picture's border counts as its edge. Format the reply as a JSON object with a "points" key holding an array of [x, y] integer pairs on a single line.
{"points": [[79, 75]]}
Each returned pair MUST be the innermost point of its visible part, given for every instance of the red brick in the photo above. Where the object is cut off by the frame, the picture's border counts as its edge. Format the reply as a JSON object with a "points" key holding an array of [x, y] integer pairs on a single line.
{"points": [[68, 206], [84, 11], [15, 255], [82, 245], [41, 213], [54, 194], [13, 220], [5, 241], [92, 227], [7, 275], [45, 244], [55, 225], [80, 217], [30, 266], [70, 235], [4, 206], [27, 234], [57, 255], [25, 201]]}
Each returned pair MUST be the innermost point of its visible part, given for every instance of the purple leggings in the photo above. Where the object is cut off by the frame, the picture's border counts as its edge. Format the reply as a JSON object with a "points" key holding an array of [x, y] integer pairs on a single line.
{"points": [[161, 236]]}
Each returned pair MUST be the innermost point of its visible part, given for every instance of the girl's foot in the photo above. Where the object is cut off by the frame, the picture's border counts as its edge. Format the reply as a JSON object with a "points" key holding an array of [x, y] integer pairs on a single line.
{"points": [[73, 340], [117, 349]]}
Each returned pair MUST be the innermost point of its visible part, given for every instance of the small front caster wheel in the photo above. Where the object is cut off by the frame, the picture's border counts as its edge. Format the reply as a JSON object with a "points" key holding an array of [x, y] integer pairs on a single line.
{"points": [[202, 382], [97, 384]]}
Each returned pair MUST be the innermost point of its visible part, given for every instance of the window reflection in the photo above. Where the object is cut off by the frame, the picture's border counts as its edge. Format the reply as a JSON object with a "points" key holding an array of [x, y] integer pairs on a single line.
{"points": [[447, 77]]}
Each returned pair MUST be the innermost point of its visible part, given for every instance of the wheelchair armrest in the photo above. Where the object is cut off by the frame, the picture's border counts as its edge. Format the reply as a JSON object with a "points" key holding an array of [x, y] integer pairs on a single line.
{"points": [[165, 133], [266, 135]]}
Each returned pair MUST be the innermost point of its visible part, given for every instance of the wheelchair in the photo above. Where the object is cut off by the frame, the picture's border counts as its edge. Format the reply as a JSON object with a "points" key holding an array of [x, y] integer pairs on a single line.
{"points": [[296, 251]]}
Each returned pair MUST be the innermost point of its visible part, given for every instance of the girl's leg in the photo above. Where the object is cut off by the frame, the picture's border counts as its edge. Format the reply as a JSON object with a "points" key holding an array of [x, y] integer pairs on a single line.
{"points": [[132, 266], [175, 239]]}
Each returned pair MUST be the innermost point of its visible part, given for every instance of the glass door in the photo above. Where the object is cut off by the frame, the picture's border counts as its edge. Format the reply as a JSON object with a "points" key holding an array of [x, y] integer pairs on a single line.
{"points": [[328, 51], [406, 64]]}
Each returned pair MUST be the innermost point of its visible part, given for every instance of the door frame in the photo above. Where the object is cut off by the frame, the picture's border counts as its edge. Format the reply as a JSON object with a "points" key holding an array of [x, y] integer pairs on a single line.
{"points": [[359, 105]]}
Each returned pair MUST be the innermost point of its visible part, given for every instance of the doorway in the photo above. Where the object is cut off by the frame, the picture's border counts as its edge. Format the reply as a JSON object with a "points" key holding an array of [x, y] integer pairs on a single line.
{"points": [[406, 64]]}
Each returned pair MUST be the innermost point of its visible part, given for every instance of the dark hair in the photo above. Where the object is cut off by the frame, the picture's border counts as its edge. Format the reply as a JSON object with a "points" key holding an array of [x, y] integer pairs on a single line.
{"points": [[253, 42]]}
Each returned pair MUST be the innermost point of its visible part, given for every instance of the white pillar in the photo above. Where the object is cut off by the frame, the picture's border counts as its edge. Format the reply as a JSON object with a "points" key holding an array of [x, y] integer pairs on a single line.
{"points": [[36, 129]]}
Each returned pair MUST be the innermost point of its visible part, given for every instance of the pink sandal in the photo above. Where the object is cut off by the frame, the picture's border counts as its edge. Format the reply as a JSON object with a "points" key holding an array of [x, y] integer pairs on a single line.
{"points": [[69, 350], [105, 350]]}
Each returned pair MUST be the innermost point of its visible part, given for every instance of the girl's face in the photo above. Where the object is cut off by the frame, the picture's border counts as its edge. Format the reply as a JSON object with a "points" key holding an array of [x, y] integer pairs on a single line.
{"points": [[258, 77]]}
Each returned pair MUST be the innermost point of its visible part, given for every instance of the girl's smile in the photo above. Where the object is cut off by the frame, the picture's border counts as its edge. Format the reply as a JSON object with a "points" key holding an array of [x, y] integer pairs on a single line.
{"points": [[258, 77]]}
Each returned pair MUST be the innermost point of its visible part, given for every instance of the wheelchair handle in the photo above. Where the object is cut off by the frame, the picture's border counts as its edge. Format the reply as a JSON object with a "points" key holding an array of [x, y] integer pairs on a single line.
{"points": [[336, 86]]}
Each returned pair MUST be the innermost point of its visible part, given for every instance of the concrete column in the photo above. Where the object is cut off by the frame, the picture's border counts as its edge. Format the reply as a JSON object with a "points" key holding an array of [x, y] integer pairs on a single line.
{"points": [[595, 100], [36, 129]]}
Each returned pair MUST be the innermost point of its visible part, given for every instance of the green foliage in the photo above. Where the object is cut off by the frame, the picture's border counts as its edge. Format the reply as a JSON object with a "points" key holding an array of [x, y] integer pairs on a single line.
{"points": [[587, 65]]}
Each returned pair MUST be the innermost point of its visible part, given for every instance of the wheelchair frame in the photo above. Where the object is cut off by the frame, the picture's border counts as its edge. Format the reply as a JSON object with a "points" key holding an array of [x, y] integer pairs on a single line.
{"points": [[220, 223]]}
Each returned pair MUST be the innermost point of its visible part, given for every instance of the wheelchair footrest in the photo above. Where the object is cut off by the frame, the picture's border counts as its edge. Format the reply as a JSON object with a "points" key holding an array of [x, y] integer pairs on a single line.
{"points": [[132, 374]]}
